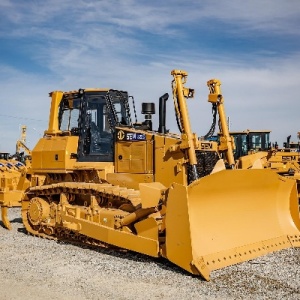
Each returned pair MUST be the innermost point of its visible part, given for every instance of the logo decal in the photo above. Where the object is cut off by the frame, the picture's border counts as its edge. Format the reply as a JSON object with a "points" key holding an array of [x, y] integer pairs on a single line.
{"points": [[121, 135], [130, 136]]}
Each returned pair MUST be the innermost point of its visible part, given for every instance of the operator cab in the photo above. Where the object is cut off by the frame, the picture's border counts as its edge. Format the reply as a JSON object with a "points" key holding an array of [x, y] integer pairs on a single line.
{"points": [[92, 115], [250, 141], [4, 155]]}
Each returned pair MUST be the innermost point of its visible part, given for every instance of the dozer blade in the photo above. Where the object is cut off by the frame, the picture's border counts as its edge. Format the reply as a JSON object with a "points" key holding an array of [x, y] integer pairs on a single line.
{"points": [[230, 217], [4, 216]]}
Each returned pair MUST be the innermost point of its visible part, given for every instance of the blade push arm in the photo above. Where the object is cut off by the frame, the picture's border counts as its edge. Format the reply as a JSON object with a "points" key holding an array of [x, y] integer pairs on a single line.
{"points": [[180, 94], [226, 141]]}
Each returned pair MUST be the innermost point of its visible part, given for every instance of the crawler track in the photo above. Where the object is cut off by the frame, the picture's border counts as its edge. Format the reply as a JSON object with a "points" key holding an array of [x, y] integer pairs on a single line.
{"points": [[106, 195]]}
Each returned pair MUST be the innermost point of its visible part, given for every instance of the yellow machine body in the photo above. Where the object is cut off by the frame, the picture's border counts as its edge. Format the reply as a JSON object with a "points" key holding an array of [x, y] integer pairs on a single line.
{"points": [[13, 175], [254, 151], [153, 192], [13, 184]]}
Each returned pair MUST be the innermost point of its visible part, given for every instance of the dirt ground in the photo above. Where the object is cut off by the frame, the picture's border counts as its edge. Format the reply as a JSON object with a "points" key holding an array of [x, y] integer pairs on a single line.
{"points": [[35, 268]]}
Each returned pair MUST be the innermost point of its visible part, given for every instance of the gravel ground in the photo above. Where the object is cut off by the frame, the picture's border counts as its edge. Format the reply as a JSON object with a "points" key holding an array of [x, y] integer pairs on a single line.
{"points": [[34, 268]]}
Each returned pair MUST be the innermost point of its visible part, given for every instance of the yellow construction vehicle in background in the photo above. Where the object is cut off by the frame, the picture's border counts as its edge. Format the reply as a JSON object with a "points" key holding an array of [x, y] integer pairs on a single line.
{"points": [[14, 174], [100, 178], [253, 145], [13, 183], [256, 151]]}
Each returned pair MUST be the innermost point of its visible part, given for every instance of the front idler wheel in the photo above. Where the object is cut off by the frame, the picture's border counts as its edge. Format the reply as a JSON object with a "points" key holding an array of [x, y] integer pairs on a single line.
{"points": [[38, 211]]}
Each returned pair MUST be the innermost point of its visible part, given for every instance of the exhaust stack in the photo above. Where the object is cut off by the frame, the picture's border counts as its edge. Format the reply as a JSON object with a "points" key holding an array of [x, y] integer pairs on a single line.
{"points": [[162, 113]]}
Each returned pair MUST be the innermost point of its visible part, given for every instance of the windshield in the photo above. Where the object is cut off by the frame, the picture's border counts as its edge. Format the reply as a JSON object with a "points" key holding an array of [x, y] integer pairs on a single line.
{"points": [[259, 141], [69, 114], [96, 112], [93, 115]]}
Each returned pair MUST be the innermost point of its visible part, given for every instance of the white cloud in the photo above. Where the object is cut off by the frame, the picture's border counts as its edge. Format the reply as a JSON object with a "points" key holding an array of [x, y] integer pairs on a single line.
{"points": [[254, 98], [93, 44], [273, 16]]}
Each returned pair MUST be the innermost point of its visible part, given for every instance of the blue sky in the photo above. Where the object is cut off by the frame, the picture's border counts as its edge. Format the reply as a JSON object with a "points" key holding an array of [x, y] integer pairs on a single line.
{"points": [[253, 47]]}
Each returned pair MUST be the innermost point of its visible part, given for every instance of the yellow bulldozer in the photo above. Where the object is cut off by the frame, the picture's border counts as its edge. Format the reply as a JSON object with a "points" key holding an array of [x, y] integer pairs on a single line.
{"points": [[253, 148], [257, 152], [99, 177], [14, 174], [13, 183]]}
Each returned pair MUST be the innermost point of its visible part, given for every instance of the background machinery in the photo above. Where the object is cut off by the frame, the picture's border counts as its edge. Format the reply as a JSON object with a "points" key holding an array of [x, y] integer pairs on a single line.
{"points": [[14, 170], [100, 178], [259, 153], [251, 148], [250, 142], [13, 183], [23, 153], [253, 145]]}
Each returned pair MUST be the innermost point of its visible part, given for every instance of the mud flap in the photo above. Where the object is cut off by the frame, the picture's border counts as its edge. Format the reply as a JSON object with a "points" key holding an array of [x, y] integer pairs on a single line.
{"points": [[230, 217]]}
